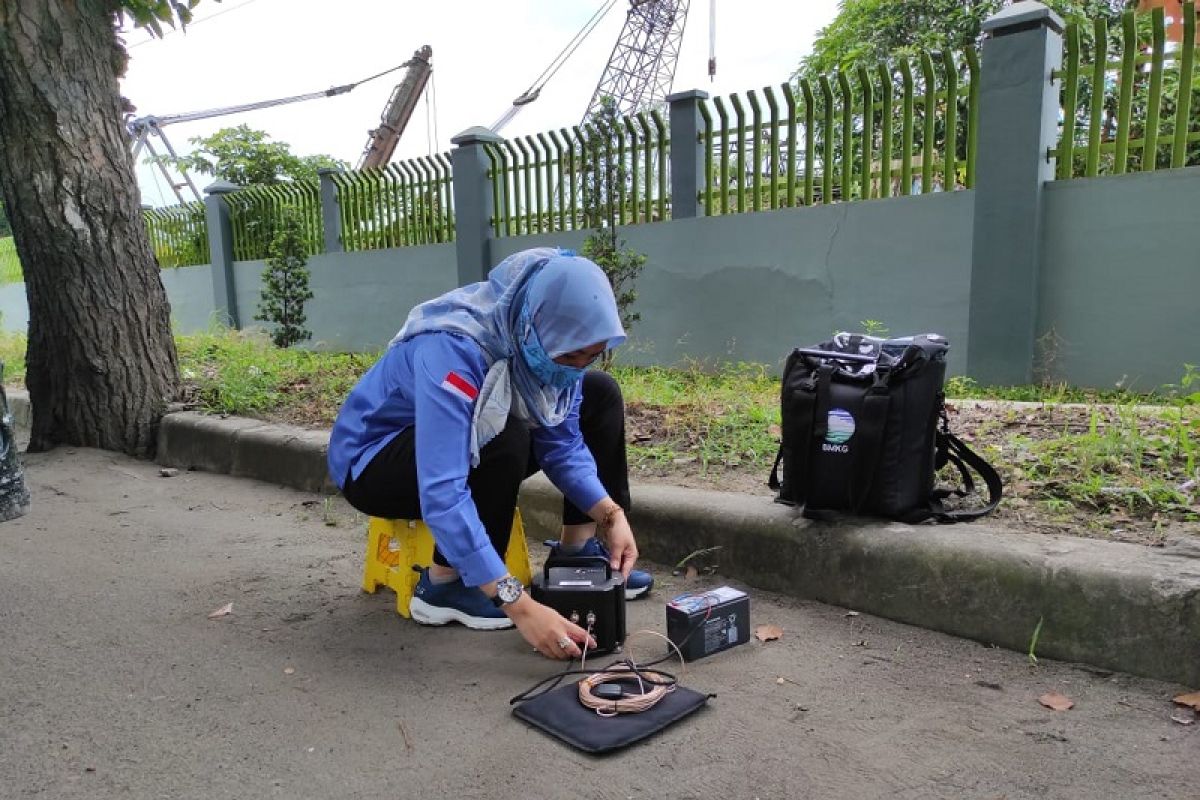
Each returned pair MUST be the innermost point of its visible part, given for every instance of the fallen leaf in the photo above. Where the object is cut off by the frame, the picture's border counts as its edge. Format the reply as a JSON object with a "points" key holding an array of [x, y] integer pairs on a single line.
{"points": [[1190, 699], [767, 633], [289, 670], [223, 611], [1056, 701]]}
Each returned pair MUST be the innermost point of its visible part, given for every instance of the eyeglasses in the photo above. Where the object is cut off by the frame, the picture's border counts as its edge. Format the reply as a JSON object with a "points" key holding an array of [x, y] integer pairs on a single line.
{"points": [[580, 358]]}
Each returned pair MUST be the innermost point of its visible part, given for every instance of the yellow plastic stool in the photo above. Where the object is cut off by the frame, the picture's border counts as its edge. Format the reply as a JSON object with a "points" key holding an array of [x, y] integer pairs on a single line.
{"points": [[395, 546]]}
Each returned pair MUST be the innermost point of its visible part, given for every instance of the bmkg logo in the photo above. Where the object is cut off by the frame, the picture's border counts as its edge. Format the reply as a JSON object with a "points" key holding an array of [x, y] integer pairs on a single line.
{"points": [[840, 427]]}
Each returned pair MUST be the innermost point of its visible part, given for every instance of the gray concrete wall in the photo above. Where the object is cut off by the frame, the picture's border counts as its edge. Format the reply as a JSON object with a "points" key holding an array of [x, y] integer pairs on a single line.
{"points": [[14, 308], [1119, 278], [1120, 283], [750, 287], [361, 299], [190, 292]]}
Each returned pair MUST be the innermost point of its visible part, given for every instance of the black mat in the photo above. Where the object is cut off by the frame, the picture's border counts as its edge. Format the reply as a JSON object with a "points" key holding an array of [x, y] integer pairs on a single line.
{"points": [[560, 714]]}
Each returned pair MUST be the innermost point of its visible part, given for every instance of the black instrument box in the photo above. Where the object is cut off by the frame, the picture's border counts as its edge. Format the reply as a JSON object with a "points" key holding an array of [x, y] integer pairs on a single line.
{"points": [[707, 622], [585, 590]]}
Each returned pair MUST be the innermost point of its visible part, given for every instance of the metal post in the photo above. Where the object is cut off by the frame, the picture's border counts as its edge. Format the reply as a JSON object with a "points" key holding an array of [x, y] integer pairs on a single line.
{"points": [[220, 248], [687, 156], [331, 213], [1018, 118], [473, 204]]}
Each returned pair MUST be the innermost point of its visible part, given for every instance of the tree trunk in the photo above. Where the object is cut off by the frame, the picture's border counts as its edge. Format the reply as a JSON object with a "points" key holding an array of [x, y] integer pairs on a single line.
{"points": [[101, 362]]}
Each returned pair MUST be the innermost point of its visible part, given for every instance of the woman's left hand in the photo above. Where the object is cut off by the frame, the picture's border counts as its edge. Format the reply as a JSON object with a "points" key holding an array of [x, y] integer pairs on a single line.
{"points": [[621, 545]]}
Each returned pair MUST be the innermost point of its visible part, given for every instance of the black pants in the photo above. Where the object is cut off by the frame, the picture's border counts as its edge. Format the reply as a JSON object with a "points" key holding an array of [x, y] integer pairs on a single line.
{"points": [[388, 486]]}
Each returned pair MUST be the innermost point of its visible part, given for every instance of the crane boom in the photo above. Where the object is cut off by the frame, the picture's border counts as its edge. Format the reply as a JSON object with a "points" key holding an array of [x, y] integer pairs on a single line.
{"points": [[137, 126], [396, 115], [398, 111]]}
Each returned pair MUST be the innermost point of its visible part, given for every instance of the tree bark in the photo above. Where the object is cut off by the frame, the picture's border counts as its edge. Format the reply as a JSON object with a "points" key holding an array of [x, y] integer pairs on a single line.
{"points": [[101, 363]]}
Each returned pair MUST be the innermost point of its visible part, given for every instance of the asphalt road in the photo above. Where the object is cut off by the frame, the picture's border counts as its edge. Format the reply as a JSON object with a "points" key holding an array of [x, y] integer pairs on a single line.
{"points": [[115, 683]]}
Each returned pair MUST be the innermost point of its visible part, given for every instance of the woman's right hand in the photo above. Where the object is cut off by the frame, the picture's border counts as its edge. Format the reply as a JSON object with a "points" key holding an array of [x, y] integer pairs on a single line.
{"points": [[546, 629]]}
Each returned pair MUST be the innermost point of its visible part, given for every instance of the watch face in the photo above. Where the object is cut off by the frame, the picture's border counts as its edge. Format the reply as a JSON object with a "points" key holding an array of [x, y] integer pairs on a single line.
{"points": [[508, 590]]}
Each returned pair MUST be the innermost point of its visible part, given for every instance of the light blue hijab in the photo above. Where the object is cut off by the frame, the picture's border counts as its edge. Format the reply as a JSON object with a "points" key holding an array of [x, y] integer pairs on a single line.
{"points": [[570, 305]]}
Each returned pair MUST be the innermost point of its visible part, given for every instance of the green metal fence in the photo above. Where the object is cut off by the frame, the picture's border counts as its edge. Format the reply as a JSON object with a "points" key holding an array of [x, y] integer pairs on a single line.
{"points": [[178, 234], [1129, 96], [893, 130], [582, 177], [255, 212], [400, 204]]}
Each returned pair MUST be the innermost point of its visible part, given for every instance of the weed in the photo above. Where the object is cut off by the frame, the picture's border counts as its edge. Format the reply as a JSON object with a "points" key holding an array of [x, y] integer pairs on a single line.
{"points": [[696, 554], [873, 327], [1034, 640]]}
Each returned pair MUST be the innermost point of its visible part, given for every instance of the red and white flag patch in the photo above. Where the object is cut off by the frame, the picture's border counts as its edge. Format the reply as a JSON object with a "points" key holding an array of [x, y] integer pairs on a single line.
{"points": [[459, 386]]}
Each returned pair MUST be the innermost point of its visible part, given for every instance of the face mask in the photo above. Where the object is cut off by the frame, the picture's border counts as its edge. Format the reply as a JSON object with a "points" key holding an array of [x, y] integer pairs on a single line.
{"points": [[558, 376]]}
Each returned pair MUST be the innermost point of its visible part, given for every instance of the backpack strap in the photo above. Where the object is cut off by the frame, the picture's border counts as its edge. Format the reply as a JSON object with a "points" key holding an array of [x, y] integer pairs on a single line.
{"points": [[962, 456], [805, 406], [869, 447]]}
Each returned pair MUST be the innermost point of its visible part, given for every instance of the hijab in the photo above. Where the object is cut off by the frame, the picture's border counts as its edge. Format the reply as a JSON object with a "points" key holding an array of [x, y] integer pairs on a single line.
{"points": [[551, 298]]}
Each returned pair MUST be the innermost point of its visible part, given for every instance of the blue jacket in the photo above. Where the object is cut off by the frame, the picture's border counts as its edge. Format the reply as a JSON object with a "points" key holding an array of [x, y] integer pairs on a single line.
{"points": [[411, 384]]}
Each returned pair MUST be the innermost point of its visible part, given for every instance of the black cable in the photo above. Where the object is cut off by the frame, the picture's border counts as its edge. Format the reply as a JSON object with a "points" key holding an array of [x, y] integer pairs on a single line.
{"points": [[638, 670], [634, 668]]}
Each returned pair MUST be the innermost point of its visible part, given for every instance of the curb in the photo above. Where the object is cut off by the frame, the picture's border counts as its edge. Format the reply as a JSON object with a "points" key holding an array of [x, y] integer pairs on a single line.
{"points": [[1116, 606]]}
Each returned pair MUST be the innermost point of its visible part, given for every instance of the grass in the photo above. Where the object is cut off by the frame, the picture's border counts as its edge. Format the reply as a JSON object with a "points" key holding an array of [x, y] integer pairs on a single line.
{"points": [[726, 418], [1106, 464], [1116, 460], [245, 374], [10, 265], [12, 354]]}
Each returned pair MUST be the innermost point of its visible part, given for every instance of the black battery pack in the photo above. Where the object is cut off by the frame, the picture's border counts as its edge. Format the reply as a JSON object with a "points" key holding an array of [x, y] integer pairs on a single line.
{"points": [[707, 622], [586, 591]]}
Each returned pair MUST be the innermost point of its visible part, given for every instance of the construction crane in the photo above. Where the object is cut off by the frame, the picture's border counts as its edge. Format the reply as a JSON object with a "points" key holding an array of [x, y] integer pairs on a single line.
{"points": [[379, 149], [397, 112], [640, 70]]}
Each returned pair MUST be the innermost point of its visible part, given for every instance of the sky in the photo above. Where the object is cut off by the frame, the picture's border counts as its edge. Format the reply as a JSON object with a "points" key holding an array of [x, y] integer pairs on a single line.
{"points": [[485, 53]]}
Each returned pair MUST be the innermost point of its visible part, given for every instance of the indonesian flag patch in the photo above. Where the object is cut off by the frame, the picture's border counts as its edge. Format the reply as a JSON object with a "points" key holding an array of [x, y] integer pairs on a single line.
{"points": [[459, 386]]}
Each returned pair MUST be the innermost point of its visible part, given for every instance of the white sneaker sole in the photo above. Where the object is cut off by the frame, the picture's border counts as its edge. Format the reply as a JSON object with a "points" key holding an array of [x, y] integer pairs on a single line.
{"points": [[634, 594], [426, 614]]}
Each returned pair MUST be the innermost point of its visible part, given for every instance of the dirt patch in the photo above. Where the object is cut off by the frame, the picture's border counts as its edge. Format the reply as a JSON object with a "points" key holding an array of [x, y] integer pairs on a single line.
{"points": [[1106, 472]]}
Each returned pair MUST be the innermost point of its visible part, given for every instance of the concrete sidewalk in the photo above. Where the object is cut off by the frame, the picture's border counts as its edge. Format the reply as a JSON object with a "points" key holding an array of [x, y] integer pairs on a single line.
{"points": [[116, 683], [1117, 606]]}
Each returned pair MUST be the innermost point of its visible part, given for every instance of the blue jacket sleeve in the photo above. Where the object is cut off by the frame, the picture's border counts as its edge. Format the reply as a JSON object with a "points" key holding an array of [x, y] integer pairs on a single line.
{"points": [[443, 409], [567, 462]]}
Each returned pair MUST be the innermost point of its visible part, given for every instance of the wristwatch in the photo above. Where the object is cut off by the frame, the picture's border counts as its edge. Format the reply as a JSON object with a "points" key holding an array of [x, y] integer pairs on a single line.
{"points": [[508, 589]]}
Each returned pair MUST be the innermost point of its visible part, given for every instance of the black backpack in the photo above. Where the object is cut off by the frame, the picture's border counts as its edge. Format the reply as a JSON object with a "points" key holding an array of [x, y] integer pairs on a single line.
{"points": [[865, 430]]}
